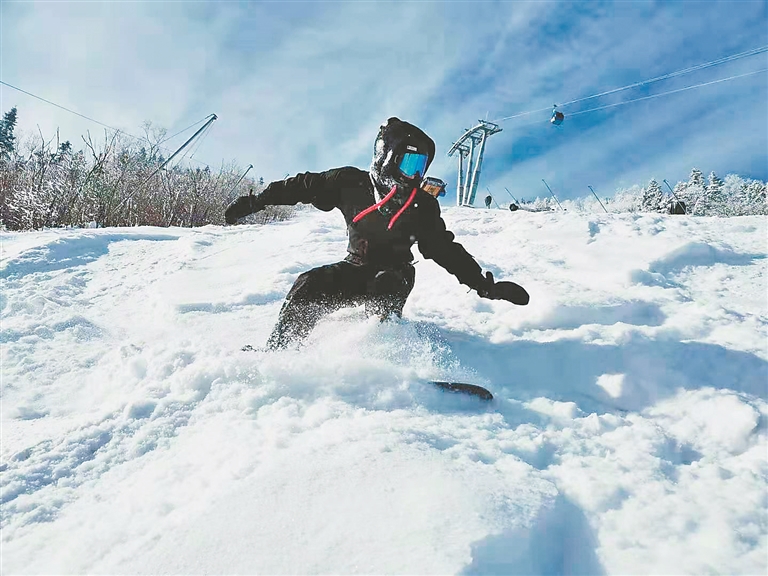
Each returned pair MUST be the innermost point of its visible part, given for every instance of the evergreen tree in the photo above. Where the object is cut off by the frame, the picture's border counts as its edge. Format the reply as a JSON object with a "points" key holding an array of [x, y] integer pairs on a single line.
{"points": [[694, 192], [696, 178], [681, 194], [65, 149], [714, 183], [653, 197], [714, 197], [754, 197], [7, 124], [541, 204]]}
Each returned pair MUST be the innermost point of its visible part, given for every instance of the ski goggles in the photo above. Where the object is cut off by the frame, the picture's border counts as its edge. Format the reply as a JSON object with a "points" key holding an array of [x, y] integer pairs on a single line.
{"points": [[413, 164]]}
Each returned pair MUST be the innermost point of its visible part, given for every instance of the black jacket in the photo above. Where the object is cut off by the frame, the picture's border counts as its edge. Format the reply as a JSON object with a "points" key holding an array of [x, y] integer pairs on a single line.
{"points": [[350, 190]]}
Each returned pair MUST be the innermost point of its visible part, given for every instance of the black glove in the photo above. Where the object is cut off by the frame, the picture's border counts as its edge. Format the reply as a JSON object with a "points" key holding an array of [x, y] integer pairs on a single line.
{"points": [[508, 291], [242, 207]]}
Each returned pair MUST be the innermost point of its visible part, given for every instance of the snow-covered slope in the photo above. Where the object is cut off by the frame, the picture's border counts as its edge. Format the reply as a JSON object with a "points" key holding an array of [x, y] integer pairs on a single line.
{"points": [[628, 433]]}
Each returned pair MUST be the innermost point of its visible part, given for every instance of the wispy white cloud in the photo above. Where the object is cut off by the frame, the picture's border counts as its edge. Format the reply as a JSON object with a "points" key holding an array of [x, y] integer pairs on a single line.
{"points": [[304, 86], [120, 63]]}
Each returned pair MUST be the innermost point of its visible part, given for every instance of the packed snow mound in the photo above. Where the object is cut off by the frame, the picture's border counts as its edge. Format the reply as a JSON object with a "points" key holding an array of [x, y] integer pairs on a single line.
{"points": [[627, 434]]}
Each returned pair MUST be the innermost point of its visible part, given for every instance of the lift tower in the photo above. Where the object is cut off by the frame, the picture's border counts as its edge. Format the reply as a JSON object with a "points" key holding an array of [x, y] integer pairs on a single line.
{"points": [[469, 171]]}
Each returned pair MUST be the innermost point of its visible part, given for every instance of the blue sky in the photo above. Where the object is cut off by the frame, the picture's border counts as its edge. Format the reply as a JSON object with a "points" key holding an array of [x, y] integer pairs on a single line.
{"points": [[304, 85]]}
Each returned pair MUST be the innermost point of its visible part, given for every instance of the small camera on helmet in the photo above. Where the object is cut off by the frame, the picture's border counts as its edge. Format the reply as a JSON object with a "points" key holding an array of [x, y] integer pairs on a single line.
{"points": [[433, 186]]}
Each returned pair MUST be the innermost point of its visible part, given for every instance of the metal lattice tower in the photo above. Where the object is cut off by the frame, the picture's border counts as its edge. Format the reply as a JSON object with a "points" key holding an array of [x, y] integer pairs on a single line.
{"points": [[469, 171]]}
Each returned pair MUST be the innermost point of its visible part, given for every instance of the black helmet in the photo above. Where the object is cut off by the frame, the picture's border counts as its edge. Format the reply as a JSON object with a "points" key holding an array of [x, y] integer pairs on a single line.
{"points": [[401, 155]]}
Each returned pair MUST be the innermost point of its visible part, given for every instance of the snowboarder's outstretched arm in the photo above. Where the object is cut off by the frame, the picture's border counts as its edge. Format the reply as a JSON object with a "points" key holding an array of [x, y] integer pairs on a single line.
{"points": [[436, 242], [317, 188]]}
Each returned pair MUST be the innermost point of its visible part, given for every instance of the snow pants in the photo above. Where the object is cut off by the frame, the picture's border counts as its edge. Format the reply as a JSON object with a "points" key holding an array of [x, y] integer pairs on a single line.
{"points": [[325, 289]]}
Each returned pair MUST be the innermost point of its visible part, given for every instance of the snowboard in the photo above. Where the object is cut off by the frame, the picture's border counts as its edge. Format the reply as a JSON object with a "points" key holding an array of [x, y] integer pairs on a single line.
{"points": [[455, 387], [463, 388]]}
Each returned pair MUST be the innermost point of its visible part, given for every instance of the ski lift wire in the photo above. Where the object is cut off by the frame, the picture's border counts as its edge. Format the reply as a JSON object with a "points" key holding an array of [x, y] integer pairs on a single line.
{"points": [[199, 135], [678, 73], [192, 150], [128, 134], [648, 97], [716, 62], [65, 109], [184, 130], [200, 140], [164, 164], [188, 152], [668, 92]]}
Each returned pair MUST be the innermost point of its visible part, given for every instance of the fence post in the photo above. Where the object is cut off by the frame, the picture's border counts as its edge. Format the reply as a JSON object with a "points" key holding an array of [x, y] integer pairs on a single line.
{"points": [[598, 199], [553, 194]]}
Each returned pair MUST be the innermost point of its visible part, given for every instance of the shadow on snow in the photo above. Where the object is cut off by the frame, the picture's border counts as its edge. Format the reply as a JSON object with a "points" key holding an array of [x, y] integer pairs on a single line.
{"points": [[560, 541], [568, 370], [69, 253]]}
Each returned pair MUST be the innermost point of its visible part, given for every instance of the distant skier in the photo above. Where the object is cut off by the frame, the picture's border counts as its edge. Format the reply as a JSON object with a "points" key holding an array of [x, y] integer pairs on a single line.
{"points": [[387, 209]]}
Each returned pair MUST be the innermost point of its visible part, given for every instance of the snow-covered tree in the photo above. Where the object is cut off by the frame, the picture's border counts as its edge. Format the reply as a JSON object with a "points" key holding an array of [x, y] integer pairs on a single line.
{"points": [[754, 197], [693, 193], [680, 194], [714, 183], [732, 196], [696, 178], [626, 200], [7, 139], [743, 197], [47, 184], [713, 201], [653, 197], [542, 203]]}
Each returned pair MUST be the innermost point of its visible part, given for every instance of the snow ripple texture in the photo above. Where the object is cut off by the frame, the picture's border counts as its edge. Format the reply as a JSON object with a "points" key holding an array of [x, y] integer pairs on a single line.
{"points": [[627, 434]]}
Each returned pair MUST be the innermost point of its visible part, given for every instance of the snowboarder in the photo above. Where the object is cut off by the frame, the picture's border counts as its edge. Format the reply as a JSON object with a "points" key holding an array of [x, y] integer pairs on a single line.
{"points": [[387, 210]]}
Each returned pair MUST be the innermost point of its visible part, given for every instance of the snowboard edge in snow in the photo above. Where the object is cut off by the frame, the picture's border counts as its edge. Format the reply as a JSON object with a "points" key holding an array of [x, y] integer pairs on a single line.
{"points": [[461, 387], [455, 387]]}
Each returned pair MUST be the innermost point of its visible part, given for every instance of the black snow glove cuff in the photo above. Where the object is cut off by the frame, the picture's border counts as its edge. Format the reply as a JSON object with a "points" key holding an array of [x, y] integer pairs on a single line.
{"points": [[242, 207], [508, 291]]}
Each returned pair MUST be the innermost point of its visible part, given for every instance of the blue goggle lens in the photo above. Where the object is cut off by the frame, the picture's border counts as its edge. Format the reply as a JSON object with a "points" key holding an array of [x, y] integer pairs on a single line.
{"points": [[413, 164]]}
